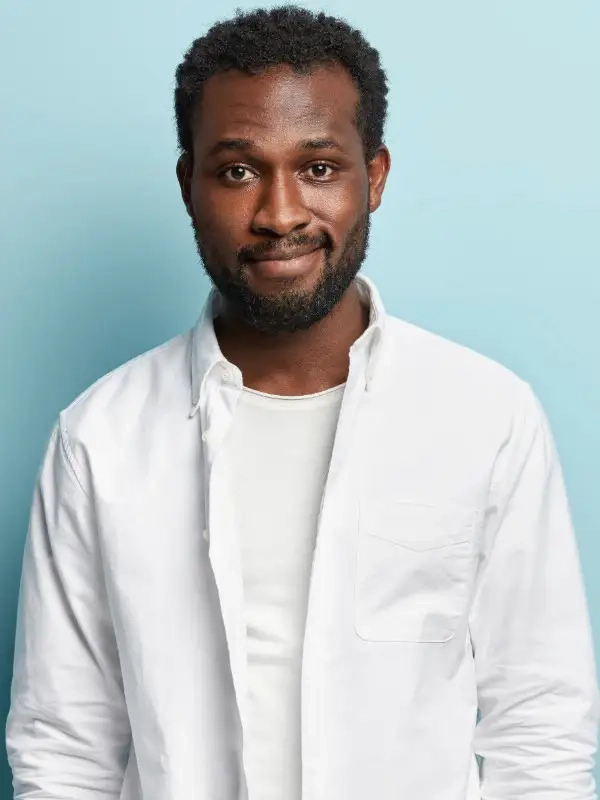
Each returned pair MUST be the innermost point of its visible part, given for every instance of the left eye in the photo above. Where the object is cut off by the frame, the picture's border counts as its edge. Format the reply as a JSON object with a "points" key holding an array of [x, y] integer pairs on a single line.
{"points": [[320, 170], [238, 173]]}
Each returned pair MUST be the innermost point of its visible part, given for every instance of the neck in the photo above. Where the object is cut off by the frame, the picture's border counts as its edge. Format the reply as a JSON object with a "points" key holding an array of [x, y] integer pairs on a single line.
{"points": [[303, 362]]}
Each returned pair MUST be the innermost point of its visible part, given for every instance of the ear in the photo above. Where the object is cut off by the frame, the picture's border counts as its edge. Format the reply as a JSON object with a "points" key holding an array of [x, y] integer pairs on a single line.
{"points": [[184, 176], [378, 169]]}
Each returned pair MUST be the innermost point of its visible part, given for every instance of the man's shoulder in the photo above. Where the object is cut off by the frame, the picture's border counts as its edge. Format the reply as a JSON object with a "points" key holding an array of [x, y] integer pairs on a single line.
{"points": [[451, 369], [156, 379]]}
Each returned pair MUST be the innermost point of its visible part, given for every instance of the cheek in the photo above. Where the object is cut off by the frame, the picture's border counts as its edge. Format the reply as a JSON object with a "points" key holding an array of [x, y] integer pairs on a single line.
{"points": [[340, 204], [206, 206], [218, 218], [342, 214]]}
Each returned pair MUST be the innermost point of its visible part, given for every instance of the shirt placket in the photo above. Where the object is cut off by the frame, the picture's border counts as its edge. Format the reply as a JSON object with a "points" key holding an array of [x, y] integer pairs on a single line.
{"points": [[223, 543], [314, 744]]}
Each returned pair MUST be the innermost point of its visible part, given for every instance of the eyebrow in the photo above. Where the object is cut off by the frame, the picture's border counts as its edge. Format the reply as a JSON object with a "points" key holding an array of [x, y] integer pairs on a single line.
{"points": [[321, 144], [239, 145]]}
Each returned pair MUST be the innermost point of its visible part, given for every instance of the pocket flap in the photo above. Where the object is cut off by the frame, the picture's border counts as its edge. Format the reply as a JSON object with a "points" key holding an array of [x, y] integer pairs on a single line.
{"points": [[416, 525]]}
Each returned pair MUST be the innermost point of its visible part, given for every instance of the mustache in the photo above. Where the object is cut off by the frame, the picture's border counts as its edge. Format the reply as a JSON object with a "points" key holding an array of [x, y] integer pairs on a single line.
{"points": [[254, 252]]}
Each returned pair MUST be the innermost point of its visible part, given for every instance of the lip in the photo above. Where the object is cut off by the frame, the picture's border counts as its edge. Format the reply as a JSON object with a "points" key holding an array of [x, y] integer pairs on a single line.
{"points": [[289, 255], [286, 265]]}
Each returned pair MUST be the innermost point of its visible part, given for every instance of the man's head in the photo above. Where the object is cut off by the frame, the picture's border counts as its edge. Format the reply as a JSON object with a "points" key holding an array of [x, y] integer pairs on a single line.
{"points": [[280, 117]]}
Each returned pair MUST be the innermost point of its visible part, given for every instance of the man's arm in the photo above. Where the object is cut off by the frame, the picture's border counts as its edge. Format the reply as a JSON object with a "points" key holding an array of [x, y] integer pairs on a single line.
{"points": [[534, 663], [68, 732]]}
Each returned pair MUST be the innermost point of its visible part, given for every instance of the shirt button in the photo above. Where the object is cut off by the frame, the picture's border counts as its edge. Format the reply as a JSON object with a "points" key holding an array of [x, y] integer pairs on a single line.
{"points": [[205, 436], [227, 377], [205, 534]]}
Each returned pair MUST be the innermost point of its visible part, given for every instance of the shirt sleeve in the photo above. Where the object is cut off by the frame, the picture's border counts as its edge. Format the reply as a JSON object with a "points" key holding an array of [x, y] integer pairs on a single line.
{"points": [[67, 733], [530, 630]]}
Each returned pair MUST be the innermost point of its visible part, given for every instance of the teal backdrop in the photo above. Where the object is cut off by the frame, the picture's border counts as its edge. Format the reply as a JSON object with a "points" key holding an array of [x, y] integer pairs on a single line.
{"points": [[489, 232]]}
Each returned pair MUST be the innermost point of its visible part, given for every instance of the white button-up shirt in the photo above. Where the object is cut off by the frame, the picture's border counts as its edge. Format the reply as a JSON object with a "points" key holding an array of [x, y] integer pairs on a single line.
{"points": [[446, 620]]}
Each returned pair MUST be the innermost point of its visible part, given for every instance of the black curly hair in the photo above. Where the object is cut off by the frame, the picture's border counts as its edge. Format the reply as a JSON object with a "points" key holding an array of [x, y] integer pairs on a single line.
{"points": [[256, 40]]}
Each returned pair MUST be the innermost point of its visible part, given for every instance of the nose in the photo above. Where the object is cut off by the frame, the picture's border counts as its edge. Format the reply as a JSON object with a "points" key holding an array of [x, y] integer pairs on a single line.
{"points": [[281, 210]]}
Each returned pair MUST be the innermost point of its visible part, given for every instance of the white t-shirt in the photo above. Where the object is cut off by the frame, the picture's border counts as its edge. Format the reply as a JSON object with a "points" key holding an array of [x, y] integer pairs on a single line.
{"points": [[280, 450]]}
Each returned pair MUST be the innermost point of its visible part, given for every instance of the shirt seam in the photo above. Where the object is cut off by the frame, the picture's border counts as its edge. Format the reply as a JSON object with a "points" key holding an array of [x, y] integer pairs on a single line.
{"points": [[496, 486], [70, 457]]}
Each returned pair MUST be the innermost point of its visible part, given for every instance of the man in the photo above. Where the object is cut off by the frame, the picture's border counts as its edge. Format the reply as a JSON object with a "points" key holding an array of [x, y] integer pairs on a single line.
{"points": [[299, 550]]}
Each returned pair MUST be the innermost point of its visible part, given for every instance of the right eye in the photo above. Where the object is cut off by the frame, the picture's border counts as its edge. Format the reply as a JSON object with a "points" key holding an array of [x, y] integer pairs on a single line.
{"points": [[237, 173]]}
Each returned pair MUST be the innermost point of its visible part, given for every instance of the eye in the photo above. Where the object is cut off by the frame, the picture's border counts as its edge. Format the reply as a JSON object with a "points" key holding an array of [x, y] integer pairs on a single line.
{"points": [[237, 173], [319, 171]]}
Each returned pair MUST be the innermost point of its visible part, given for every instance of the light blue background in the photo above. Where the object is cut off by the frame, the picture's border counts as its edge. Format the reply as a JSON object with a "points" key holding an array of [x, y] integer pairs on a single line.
{"points": [[488, 234]]}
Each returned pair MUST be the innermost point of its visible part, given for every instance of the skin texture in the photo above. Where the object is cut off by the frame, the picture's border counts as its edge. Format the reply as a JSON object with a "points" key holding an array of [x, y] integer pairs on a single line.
{"points": [[288, 335]]}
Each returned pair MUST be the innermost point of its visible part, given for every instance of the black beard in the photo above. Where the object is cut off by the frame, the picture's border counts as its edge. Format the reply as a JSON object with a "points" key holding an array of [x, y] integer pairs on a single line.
{"points": [[291, 309]]}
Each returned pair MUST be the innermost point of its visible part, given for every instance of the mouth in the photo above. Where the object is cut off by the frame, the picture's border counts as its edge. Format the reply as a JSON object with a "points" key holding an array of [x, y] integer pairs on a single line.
{"points": [[290, 264], [285, 255]]}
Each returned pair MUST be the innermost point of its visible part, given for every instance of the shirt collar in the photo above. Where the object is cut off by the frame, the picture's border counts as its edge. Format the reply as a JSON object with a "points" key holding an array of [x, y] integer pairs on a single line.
{"points": [[206, 353]]}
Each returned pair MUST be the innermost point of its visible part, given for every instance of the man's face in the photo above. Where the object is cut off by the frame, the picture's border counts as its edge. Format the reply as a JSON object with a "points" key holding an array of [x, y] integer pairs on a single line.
{"points": [[279, 193]]}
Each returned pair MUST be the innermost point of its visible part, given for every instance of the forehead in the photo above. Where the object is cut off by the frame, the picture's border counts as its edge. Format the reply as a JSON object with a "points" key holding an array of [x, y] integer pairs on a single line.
{"points": [[279, 105]]}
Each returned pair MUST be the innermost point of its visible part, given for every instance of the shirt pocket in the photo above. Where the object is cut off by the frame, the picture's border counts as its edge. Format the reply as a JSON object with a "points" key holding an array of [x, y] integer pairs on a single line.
{"points": [[414, 564]]}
